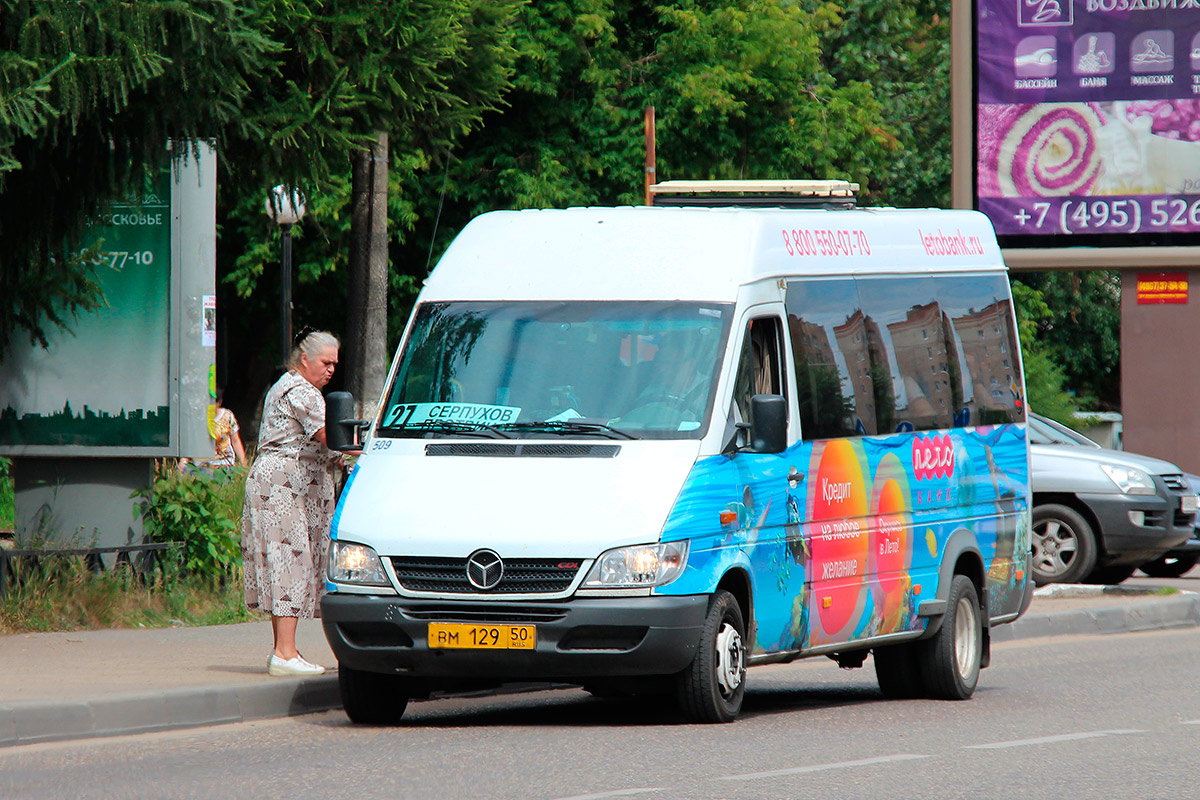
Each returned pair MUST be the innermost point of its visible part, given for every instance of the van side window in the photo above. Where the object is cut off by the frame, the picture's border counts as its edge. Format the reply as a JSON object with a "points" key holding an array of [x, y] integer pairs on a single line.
{"points": [[917, 384], [824, 315], [760, 365], [981, 328], [879, 355]]}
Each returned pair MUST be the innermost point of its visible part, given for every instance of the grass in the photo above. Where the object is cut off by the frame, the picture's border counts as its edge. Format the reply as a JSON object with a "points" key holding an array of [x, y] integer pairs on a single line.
{"points": [[203, 587], [63, 594]]}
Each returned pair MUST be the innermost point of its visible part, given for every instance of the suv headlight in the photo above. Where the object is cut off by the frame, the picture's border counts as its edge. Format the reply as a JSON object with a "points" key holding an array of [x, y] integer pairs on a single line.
{"points": [[1130, 480], [640, 566], [356, 563]]}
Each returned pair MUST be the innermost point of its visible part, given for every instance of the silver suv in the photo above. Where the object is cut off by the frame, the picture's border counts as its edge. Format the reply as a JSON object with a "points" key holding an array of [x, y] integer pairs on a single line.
{"points": [[1098, 513]]}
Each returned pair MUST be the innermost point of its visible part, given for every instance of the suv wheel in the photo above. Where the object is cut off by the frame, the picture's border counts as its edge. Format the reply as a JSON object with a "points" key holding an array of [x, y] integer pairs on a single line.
{"points": [[1064, 547]]}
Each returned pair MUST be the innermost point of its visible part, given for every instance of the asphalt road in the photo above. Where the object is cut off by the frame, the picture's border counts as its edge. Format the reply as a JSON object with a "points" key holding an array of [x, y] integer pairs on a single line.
{"points": [[1096, 716]]}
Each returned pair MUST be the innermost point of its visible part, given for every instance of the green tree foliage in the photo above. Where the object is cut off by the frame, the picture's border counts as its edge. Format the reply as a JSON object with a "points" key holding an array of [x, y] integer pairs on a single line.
{"points": [[901, 50], [91, 91], [90, 94], [1080, 330], [1044, 380]]}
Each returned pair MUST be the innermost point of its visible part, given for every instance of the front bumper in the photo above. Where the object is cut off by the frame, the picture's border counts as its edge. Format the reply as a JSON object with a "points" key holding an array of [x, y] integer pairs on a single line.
{"points": [[576, 638], [1125, 542]]}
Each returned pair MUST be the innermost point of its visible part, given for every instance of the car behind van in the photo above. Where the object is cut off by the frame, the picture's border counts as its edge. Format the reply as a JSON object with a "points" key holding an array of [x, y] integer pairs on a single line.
{"points": [[643, 449], [1098, 514]]}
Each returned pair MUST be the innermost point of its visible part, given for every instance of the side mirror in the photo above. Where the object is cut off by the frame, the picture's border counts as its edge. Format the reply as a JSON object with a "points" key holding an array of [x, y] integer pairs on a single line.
{"points": [[341, 430], [768, 423]]}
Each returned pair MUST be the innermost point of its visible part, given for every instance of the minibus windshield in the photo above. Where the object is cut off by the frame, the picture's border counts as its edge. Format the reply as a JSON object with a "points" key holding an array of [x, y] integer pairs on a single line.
{"points": [[610, 369]]}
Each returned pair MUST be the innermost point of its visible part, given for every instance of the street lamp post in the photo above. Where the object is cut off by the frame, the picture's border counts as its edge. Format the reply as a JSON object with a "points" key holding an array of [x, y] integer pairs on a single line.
{"points": [[285, 205]]}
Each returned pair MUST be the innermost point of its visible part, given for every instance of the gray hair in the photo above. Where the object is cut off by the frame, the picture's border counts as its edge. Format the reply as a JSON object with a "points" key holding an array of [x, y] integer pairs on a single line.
{"points": [[312, 346]]}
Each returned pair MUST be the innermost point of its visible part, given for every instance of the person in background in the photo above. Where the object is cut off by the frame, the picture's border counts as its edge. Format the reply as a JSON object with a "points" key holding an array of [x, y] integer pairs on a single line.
{"points": [[227, 441], [290, 501]]}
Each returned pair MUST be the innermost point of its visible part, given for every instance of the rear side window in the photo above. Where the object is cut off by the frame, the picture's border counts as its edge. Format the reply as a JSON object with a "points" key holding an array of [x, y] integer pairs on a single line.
{"points": [[880, 355]]}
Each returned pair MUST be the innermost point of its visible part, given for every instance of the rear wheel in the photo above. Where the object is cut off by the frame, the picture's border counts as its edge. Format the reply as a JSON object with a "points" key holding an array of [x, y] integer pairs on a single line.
{"points": [[370, 698], [1169, 567], [951, 659], [897, 670], [711, 689], [1064, 547]]}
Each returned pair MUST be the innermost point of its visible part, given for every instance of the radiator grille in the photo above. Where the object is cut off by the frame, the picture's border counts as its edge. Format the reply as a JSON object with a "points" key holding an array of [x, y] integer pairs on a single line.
{"points": [[1176, 483], [521, 576]]}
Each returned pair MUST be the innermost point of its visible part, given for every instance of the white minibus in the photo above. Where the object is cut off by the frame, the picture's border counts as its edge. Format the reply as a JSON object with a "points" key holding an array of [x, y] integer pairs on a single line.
{"points": [[641, 449]]}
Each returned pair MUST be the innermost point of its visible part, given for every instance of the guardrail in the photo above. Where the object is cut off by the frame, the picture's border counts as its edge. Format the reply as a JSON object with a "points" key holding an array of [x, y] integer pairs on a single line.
{"points": [[142, 558]]}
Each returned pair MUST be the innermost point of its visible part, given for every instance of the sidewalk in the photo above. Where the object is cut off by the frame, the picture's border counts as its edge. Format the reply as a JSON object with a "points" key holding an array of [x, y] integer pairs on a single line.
{"points": [[83, 684]]}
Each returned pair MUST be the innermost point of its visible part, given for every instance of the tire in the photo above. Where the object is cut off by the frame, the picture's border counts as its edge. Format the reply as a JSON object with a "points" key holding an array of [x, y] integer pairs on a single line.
{"points": [[712, 688], [1064, 546], [898, 672], [950, 661], [371, 698], [1169, 567], [1110, 576]]}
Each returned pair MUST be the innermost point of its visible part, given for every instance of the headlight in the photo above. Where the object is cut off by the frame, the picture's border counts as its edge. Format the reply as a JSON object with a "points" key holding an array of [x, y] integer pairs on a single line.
{"points": [[639, 566], [1130, 480], [356, 563]]}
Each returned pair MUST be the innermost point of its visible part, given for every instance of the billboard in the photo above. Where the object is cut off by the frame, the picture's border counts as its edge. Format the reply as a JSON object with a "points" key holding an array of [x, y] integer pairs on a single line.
{"points": [[1084, 123], [130, 378]]}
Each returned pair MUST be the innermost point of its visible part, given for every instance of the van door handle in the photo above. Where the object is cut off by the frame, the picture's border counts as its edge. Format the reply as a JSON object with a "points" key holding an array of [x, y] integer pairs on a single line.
{"points": [[794, 476]]}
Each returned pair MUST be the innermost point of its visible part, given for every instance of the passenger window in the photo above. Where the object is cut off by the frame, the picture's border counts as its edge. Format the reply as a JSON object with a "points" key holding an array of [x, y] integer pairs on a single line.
{"points": [[884, 354], [823, 315], [980, 313], [760, 366], [915, 378]]}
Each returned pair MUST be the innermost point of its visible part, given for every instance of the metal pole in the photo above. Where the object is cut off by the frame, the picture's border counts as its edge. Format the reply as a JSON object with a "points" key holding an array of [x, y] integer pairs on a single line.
{"points": [[650, 154], [285, 300]]}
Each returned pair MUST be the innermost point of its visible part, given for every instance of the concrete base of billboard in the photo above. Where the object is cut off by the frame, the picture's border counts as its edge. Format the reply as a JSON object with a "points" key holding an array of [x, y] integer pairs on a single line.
{"points": [[80, 502]]}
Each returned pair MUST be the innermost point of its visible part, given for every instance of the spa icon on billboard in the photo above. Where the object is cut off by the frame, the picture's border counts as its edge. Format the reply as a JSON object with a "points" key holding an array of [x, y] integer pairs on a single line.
{"points": [[1036, 57], [1035, 13], [1152, 51], [1094, 54]]}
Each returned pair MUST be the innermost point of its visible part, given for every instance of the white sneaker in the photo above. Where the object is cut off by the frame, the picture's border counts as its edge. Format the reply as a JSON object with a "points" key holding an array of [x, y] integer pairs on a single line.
{"points": [[280, 667]]}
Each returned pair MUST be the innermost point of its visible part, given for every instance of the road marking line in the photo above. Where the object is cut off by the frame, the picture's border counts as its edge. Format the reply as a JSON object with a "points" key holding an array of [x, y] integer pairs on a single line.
{"points": [[615, 793], [1190, 722], [866, 762], [1064, 737]]}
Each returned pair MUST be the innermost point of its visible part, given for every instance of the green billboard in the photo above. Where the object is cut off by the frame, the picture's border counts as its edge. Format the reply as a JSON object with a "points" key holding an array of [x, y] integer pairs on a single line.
{"points": [[106, 383]]}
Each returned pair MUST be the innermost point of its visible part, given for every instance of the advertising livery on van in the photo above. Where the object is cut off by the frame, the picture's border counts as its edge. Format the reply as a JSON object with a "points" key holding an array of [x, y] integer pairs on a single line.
{"points": [[643, 448]]}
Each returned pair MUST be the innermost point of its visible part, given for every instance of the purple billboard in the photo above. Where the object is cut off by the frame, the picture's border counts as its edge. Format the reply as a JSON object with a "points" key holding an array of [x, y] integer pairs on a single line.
{"points": [[1088, 120]]}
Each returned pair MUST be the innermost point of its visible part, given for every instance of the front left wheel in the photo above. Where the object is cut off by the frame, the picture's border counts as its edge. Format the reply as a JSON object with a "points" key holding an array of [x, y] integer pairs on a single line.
{"points": [[711, 689], [371, 698]]}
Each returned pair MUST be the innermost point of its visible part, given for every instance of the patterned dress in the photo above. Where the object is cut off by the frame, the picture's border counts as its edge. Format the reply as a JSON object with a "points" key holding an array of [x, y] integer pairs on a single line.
{"points": [[289, 504]]}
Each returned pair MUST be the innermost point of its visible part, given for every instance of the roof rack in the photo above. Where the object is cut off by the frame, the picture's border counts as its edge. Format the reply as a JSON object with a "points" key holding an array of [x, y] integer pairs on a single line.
{"points": [[785, 193]]}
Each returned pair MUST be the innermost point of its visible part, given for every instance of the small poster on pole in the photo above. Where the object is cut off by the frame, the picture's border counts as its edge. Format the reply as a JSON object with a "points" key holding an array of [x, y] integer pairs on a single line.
{"points": [[208, 333]]}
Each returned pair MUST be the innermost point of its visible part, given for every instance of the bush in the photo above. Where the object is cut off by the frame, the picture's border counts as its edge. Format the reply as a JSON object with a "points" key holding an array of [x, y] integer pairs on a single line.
{"points": [[7, 502], [203, 511]]}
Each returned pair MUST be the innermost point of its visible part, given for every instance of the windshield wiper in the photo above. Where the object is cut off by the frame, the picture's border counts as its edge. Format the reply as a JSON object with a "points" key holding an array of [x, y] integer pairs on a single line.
{"points": [[451, 426], [565, 427]]}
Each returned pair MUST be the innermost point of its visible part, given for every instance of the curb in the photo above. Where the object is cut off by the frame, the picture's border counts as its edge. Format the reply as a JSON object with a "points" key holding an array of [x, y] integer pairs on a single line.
{"points": [[49, 721], [36, 722], [1175, 611]]}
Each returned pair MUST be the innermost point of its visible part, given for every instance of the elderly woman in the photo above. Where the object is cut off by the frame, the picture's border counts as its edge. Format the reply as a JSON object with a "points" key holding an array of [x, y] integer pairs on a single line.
{"points": [[290, 500]]}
